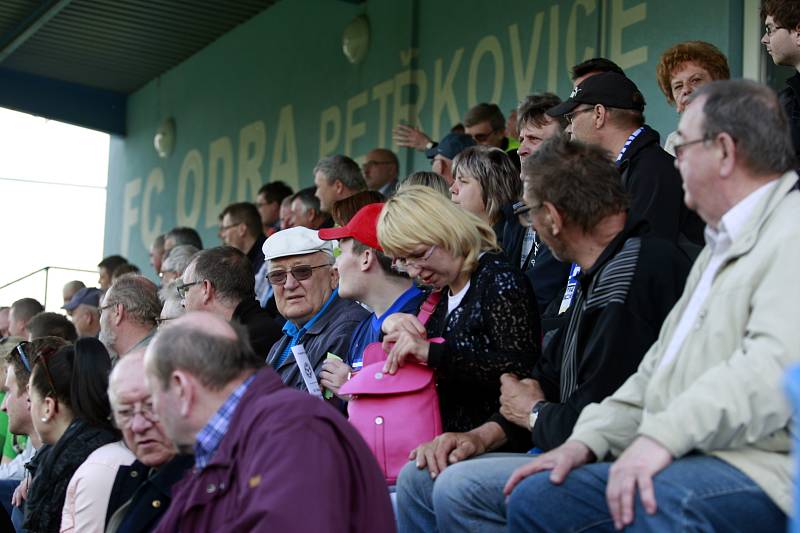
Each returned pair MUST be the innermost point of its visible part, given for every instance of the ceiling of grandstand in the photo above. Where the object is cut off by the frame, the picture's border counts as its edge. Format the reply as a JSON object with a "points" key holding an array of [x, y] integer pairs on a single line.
{"points": [[102, 50]]}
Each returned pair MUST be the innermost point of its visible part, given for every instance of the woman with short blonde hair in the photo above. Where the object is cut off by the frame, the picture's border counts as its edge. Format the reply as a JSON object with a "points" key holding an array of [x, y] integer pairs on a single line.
{"points": [[487, 313]]}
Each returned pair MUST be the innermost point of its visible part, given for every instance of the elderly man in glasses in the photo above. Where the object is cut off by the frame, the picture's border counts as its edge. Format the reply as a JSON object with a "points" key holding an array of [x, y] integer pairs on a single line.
{"points": [[300, 269], [142, 491], [221, 280]]}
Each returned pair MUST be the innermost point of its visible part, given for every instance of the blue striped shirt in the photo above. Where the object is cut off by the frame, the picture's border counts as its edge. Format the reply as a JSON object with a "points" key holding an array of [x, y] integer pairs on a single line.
{"points": [[210, 437]]}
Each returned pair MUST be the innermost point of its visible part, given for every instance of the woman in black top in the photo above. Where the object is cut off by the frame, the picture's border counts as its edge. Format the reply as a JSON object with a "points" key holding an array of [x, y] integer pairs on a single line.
{"points": [[487, 314]]}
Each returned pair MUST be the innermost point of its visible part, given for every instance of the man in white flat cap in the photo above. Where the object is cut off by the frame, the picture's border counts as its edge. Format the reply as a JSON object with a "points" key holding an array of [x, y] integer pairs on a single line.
{"points": [[300, 269]]}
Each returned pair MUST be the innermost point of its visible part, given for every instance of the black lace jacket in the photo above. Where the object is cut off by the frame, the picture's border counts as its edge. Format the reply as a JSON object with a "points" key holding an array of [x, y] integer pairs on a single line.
{"points": [[494, 330]]}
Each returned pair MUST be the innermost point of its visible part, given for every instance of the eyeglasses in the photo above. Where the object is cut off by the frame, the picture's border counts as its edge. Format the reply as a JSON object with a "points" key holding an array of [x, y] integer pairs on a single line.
{"points": [[679, 148], [103, 308], [299, 273], [402, 264], [20, 351], [571, 116], [482, 137], [229, 226], [770, 30], [124, 417], [183, 288]]}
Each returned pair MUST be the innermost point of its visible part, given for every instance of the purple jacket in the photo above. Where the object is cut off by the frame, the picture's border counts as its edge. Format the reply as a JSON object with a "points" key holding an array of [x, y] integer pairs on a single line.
{"points": [[289, 462]]}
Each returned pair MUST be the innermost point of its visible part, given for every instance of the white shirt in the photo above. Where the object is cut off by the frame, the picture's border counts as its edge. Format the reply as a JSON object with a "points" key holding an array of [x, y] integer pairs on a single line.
{"points": [[454, 300], [720, 240]]}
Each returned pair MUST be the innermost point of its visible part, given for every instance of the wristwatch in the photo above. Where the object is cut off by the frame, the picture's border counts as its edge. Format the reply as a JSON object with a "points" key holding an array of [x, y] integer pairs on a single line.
{"points": [[537, 407]]}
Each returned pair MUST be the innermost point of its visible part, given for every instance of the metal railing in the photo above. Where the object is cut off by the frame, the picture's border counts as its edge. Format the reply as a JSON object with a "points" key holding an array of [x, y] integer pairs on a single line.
{"points": [[46, 271]]}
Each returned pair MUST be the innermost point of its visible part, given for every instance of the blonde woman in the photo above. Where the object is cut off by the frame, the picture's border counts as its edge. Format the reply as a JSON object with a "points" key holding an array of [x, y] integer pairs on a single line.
{"points": [[487, 314]]}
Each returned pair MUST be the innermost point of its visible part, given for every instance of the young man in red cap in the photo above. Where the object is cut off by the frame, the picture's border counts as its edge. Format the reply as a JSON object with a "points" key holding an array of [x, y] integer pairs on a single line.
{"points": [[366, 275]]}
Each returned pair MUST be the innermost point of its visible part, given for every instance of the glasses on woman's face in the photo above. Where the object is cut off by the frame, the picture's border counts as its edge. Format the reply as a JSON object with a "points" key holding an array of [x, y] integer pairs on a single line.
{"points": [[299, 273], [402, 264]]}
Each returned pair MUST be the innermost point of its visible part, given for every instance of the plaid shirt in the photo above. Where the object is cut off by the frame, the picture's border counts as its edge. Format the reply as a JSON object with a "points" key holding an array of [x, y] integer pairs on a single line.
{"points": [[210, 437]]}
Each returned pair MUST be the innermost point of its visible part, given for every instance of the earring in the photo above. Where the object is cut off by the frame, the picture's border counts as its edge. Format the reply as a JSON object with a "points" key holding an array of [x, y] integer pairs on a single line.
{"points": [[44, 419]]}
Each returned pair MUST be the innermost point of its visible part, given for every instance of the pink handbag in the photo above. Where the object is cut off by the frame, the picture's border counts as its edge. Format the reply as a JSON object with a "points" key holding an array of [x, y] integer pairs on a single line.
{"points": [[395, 413]]}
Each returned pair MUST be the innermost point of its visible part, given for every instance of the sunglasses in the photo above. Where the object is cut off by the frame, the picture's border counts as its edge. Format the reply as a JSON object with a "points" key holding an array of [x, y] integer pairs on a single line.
{"points": [[299, 272], [20, 351]]}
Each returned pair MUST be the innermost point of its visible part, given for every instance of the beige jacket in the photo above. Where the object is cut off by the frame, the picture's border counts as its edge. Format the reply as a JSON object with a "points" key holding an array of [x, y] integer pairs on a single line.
{"points": [[723, 394]]}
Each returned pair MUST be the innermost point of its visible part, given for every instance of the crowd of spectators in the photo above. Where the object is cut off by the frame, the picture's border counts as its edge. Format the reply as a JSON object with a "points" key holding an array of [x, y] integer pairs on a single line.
{"points": [[607, 322]]}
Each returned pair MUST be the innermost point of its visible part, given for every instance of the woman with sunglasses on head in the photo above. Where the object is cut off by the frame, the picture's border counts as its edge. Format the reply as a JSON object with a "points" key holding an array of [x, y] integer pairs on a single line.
{"points": [[71, 414], [487, 313]]}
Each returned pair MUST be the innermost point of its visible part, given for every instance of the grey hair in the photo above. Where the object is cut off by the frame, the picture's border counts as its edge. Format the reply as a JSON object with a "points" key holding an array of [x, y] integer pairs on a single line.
{"points": [[179, 258], [344, 169], [170, 299], [138, 295], [497, 175], [752, 115], [213, 359]]}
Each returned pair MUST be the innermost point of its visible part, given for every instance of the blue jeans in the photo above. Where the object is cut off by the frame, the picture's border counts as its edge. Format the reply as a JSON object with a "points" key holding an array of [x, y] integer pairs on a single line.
{"points": [[695, 493], [466, 497]]}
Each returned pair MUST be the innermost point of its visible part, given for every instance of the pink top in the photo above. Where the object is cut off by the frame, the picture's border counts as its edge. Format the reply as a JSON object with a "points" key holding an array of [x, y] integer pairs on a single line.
{"points": [[90, 487]]}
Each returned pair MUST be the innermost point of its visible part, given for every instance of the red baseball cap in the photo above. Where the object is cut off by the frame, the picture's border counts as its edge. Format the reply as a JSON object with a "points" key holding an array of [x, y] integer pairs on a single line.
{"points": [[363, 227]]}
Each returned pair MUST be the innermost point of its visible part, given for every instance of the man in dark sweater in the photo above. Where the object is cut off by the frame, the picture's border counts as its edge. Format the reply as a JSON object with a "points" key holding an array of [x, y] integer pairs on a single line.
{"points": [[220, 280], [629, 282], [142, 492]]}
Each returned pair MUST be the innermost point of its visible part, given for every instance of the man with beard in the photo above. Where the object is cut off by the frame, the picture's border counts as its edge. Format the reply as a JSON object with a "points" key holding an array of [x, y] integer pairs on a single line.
{"points": [[128, 314]]}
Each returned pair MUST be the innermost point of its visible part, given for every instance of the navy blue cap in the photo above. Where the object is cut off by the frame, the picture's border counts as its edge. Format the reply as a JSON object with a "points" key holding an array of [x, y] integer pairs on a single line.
{"points": [[452, 145], [86, 296]]}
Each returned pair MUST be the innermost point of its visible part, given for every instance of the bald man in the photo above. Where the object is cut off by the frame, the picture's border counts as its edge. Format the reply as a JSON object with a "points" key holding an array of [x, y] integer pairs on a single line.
{"points": [[212, 394], [380, 171]]}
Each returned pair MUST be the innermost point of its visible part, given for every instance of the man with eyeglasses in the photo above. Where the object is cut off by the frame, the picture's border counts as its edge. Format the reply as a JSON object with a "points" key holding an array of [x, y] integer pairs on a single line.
{"points": [[782, 41], [142, 491], [220, 280], [701, 433], [301, 271], [380, 171], [607, 109]]}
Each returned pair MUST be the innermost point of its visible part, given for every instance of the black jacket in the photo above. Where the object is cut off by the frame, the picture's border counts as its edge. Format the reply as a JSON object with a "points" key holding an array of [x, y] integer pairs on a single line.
{"points": [[790, 100], [52, 470], [655, 187], [263, 329], [149, 492], [494, 330], [547, 275], [618, 309]]}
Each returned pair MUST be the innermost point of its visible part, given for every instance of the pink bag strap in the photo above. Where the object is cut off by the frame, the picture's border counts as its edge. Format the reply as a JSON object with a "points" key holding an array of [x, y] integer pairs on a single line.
{"points": [[429, 306]]}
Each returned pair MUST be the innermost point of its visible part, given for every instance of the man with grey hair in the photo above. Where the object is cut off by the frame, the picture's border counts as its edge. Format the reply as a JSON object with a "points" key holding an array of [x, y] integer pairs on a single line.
{"points": [[293, 463], [300, 269], [701, 432], [128, 314], [304, 210], [176, 262], [337, 177], [142, 491], [220, 280]]}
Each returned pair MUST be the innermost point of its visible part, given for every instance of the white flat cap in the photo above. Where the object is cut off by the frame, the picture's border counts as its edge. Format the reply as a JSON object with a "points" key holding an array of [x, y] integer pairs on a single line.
{"points": [[295, 241]]}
